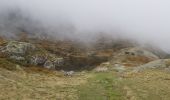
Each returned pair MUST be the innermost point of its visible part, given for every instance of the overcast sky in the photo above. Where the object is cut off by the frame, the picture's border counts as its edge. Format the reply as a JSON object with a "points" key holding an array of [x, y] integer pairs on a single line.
{"points": [[147, 21]]}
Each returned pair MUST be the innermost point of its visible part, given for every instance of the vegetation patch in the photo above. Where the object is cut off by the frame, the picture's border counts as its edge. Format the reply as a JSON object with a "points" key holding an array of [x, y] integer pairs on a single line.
{"points": [[4, 63], [103, 86]]}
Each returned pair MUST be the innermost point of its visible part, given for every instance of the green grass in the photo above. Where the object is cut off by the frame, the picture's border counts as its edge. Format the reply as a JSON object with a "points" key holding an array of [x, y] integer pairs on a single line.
{"points": [[101, 87]]}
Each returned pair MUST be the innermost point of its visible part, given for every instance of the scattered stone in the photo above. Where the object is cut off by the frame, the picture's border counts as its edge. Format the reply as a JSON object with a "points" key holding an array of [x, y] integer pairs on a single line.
{"points": [[119, 68], [49, 65], [105, 64], [68, 73], [101, 69]]}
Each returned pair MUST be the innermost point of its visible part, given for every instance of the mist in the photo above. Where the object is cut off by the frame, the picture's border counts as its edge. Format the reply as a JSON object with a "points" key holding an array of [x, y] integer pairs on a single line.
{"points": [[144, 21]]}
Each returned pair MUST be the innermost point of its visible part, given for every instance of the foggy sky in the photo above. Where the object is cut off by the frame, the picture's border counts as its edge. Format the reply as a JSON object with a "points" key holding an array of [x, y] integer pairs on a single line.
{"points": [[147, 21]]}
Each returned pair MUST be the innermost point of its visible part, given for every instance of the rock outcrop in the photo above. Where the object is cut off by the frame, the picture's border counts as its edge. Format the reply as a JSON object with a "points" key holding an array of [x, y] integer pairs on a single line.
{"points": [[67, 56], [157, 64], [15, 48], [132, 57], [28, 54]]}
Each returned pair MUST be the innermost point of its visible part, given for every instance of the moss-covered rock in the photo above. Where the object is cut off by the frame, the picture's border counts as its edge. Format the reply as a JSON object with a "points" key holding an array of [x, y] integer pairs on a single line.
{"points": [[19, 48]]}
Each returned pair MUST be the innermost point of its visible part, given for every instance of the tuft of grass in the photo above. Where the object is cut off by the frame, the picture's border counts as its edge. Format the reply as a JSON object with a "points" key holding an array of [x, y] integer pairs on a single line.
{"points": [[167, 62]]}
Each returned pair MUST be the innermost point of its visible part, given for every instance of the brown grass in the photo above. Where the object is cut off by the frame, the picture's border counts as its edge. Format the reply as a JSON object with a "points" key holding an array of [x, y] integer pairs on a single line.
{"points": [[21, 85], [4, 63], [167, 63], [140, 59], [37, 69], [128, 64], [149, 85]]}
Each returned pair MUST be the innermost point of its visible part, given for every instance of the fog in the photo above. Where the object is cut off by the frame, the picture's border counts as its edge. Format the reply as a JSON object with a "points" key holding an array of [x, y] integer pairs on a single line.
{"points": [[145, 21]]}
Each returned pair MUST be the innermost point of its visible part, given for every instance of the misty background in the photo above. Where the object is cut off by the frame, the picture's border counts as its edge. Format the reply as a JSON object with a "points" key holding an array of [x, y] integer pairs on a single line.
{"points": [[144, 21]]}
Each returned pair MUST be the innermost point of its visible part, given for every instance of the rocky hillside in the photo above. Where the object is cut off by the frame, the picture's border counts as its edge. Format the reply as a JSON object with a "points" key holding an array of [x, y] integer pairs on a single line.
{"points": [[68, 70], [73, 55], [58, 55]]}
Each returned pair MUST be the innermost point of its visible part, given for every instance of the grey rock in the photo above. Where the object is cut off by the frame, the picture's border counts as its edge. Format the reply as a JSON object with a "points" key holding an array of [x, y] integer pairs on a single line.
{"points": [[101, 69], [119, 68], [49, 61], [38, 60], [27, 53], [105, 64], [18, 58], [49, 65], [58, 61], [54, 63], [68, 73]]}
